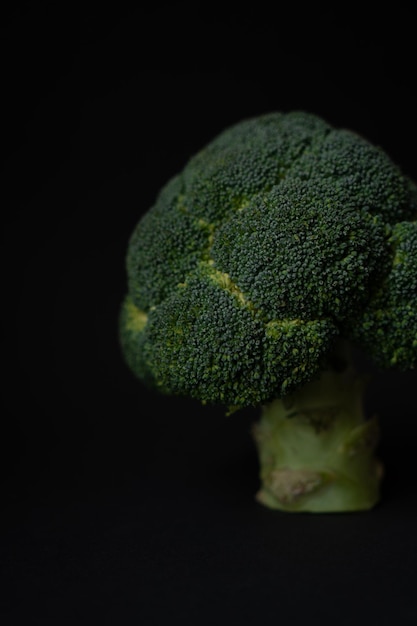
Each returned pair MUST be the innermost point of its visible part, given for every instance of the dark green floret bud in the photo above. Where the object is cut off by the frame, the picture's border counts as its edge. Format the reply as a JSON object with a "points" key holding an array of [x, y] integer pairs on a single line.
{"points": [[362, 174], [297, 251], [208, 342], [246, 159], [165, 247], [387, 328]]}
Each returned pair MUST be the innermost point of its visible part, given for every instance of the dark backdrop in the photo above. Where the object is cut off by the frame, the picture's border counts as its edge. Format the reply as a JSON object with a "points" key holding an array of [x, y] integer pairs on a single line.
{"points": [[120, 506]]}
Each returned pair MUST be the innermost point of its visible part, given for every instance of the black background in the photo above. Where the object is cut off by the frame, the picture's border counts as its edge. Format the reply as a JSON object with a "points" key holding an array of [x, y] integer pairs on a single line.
{"points": [[120, 506]]}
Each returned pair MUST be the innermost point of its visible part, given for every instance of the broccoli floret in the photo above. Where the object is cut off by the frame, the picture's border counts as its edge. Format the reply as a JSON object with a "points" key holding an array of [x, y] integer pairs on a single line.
{"points": [[246, 159], [387, 328], [208, 342], [165, 247], [298, 252], [363, 175], [280, 243]]}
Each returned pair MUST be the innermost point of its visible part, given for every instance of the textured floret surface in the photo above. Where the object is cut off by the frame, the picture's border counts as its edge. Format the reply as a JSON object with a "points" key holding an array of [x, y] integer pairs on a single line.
{"points": [[278, 237]]}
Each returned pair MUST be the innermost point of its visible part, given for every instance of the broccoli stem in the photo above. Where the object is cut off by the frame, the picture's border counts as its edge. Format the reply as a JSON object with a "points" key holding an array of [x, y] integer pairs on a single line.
{"points": [[316, 448]]}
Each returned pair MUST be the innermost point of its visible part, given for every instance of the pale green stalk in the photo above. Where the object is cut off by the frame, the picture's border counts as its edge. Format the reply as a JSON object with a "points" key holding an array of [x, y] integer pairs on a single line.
{"points": [[317, 447]]}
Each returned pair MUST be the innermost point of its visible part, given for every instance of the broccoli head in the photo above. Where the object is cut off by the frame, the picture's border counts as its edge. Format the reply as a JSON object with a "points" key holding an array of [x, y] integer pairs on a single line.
{"points": [[279, 244]]}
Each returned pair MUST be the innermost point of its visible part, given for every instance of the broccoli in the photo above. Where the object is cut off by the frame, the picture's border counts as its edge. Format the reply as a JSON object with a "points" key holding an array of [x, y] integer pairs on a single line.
{"points": [[281, 245]]}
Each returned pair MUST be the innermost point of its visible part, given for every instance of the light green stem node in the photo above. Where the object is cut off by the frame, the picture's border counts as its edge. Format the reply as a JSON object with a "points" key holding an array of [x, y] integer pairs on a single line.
{"points": [[316, 448]]}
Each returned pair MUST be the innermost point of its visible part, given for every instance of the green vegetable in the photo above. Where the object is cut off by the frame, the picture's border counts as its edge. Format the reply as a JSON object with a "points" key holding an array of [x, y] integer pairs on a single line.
{"points": [[280, 245]]}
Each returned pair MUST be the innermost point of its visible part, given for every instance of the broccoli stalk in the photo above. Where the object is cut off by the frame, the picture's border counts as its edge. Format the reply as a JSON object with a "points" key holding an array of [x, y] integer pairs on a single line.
{"points": [[317, 447], [280, 243]]}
